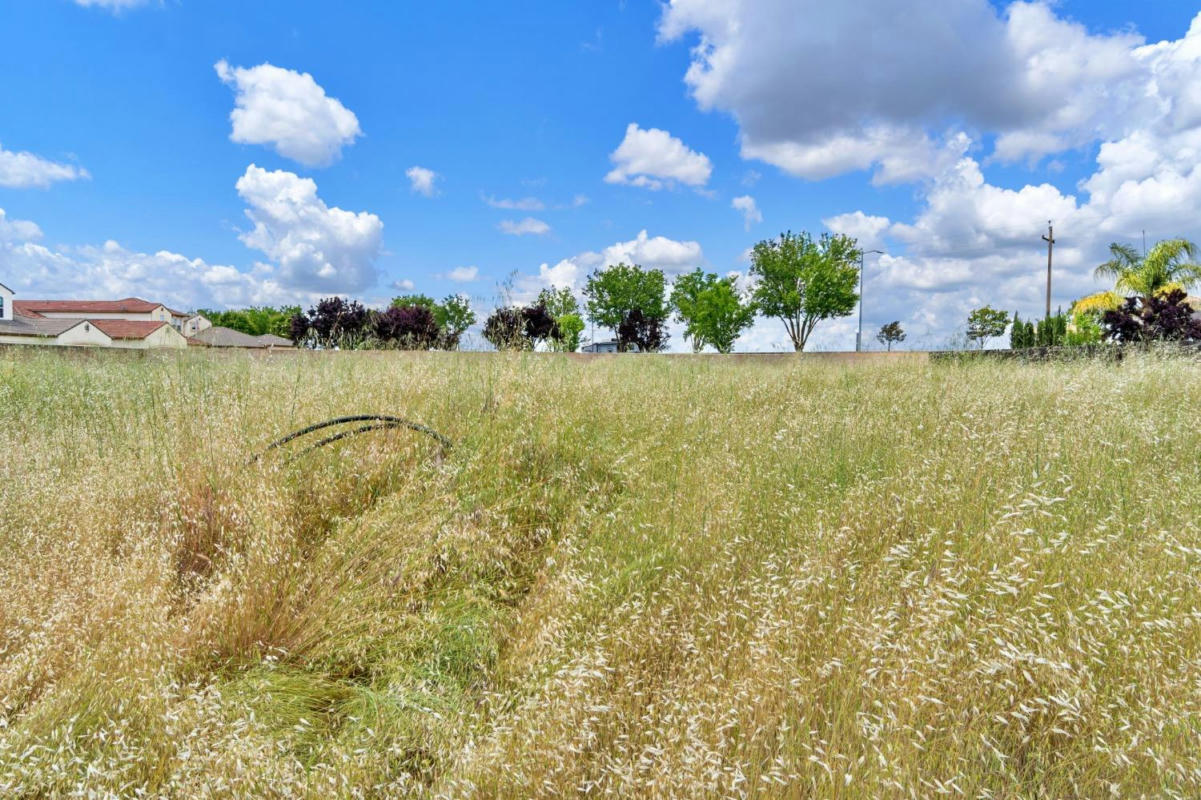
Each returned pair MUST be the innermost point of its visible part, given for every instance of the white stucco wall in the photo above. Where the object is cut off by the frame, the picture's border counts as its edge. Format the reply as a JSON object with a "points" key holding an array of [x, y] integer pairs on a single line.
{"points": [[26, 339], [195, 325], [6, 297], [84, 335]]}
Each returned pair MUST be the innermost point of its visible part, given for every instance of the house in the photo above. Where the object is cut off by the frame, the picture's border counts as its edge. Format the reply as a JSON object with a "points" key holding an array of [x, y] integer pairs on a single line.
{"points": [[6, 303], [609, 346], [131, 308], [217, 336], [19, 329], [131, 323], [140, 334], [194, 324]]}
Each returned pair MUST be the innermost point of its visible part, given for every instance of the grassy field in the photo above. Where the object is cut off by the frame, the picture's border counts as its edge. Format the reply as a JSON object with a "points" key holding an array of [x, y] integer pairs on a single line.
{"points": [[630, 577]]}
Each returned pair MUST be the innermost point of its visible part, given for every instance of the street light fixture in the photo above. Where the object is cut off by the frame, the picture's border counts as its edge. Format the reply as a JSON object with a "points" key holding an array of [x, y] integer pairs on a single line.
{"points": [[859, 335]]}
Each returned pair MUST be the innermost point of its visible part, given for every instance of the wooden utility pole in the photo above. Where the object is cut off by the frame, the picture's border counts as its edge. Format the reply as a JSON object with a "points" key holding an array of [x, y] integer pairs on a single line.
{"points": [[1050, 240]]}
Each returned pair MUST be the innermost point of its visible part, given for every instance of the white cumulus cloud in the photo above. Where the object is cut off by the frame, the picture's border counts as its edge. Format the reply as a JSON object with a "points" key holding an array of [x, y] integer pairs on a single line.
{"points": [[17, 230], [751, 215], [22, 170], [110, 270], [521, 204], [527, 226], [653, 252], [904, 89], [317, 248], [289, 111], [850, 86], [422, 180], [463, 274], [654, 159], [868, 230]]}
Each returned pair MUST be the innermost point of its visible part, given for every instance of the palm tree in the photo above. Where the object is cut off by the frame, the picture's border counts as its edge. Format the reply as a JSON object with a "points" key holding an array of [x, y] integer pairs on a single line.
{"points": [[1171, 264]]}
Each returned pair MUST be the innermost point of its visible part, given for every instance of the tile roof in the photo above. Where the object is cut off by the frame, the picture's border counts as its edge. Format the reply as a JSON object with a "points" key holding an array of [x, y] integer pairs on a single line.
{"points": [[125, 328], [128, 305], [37, 326]]}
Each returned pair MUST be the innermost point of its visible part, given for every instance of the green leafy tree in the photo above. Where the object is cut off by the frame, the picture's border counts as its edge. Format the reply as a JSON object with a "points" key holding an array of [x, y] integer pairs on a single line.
{"points": [[505, 329], [712, 310], [571, 329], [986, 323], [1084, 328], [256, 320], [1050, 331], [564, 308], [891, 333], [801, 281], [558, 301], [517, 328], [454, 316], [615, 293], [1017, 333], [686, 300], [423, 300]]}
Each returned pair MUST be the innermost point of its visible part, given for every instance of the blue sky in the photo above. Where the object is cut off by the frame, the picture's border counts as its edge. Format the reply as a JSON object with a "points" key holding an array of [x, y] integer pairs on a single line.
{"points": [[124, 175]]}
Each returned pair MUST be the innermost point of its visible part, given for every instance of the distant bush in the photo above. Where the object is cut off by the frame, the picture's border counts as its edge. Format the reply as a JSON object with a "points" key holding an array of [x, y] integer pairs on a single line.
{"points": [[514, 328], [1158, 318], [332, 322], [407, 327]]}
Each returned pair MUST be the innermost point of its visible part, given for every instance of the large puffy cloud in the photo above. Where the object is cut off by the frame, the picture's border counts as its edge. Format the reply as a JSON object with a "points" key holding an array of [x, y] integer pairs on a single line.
{"points": [[974, 242], [22, 170], [654, 159], [109, 270], [896, 94], [317, 248], [971, 243], [289, 111], [654, 252], [845, 86]]}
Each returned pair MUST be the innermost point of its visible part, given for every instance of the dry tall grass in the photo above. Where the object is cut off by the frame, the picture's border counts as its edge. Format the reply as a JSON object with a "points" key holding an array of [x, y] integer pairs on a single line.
{"points": [[633, 577]]}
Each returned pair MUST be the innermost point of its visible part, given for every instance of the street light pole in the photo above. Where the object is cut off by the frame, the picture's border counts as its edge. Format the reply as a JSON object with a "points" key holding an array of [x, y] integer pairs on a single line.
{"points": [[859, 334]]}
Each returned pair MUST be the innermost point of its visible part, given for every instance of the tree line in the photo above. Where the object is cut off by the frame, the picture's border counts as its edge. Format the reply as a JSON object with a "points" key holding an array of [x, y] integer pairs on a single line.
{"points": [[797, 279], [410, 322], [1149, 303]]}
